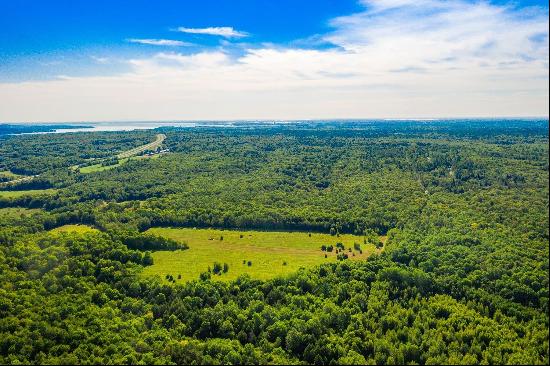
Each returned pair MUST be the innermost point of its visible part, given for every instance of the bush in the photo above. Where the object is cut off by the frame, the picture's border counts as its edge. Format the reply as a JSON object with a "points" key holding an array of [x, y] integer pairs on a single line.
{"points": [[342, 257]]}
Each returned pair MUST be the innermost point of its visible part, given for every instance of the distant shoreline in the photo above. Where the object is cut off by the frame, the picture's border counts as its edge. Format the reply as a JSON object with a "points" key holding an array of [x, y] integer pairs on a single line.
{"points": [[27, 128]]}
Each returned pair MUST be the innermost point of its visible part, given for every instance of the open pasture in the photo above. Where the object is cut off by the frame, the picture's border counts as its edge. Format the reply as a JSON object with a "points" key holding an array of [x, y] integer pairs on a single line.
{"points": [[33, 192], [78, 229], [270, 253]]}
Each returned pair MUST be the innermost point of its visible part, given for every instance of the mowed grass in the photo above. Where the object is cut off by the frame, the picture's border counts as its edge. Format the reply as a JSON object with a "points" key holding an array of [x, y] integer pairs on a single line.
{"points": [[268, 251], [79, 229], [34, 192]]}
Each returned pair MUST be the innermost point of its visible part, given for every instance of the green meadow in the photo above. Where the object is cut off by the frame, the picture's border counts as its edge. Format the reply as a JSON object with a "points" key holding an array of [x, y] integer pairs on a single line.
{"points": [[79, 229], [270, 253], [17, 211], [100, 167], [33, 192]]}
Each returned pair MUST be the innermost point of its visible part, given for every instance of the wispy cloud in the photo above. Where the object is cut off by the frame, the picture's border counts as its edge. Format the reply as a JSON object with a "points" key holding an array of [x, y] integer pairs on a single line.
{"points": [[227, 32], [394, 59], [159, 42], [100, 60]]}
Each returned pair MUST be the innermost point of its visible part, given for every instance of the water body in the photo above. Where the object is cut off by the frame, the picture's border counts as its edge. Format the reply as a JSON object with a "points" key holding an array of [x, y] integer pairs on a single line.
{"points": [[384, 124], [107, 126], [126, 126]]}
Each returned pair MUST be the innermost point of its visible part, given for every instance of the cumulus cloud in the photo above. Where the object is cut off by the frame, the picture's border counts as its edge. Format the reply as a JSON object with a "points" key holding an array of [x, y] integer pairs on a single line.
{"points": [[395, 59], [159, 42], [227, 32]]}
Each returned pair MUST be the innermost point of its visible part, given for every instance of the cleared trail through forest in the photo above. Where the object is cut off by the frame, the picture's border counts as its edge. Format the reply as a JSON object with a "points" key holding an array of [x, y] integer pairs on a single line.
{"points": [[123, 155], [151, 146]]}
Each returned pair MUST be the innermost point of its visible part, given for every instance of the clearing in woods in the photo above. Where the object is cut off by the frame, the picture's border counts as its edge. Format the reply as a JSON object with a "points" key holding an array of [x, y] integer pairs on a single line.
{"points": [[18, 211], [125, 156], [271, 253], [79, 229], [151, 146], [33, 192], [100, 167]]}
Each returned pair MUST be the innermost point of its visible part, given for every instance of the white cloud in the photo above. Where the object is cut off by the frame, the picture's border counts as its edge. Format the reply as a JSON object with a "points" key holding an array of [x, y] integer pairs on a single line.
{"points": [[396, 59], [159, 42], [101, 60], [227, 32]]}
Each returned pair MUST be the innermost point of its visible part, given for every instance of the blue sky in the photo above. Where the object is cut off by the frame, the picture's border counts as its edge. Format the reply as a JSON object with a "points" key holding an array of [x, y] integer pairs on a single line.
{"points": [[41, 38], [279, 59]]}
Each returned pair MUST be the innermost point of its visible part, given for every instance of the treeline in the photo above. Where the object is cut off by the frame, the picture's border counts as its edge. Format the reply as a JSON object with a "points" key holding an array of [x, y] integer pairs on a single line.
{"points": [[87, 306], [36, 154], [463, 277]]}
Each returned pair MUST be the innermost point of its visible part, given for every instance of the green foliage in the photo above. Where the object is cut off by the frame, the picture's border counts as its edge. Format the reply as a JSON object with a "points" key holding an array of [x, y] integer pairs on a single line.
{"points": [[461, 279]]}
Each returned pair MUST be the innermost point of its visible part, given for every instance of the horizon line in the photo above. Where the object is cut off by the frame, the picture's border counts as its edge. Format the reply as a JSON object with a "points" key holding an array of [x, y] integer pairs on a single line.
{"points": [[283, 120]]}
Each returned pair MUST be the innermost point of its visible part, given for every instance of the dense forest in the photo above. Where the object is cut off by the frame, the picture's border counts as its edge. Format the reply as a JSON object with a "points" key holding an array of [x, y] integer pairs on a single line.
{"points": [[462, 279]]}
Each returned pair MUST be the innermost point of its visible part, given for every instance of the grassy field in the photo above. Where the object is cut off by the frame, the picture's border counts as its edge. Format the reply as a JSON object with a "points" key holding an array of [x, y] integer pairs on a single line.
{"points": [[34, 192], [271, 253], [99, 167], [80, 229], [125, 156], [151, 146], [17, 211]]}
